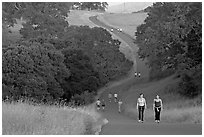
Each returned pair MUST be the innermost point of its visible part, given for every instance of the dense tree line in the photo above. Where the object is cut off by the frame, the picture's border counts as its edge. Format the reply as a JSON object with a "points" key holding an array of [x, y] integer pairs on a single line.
{"points": [[53, 60], [90, 5], [171, 40]]}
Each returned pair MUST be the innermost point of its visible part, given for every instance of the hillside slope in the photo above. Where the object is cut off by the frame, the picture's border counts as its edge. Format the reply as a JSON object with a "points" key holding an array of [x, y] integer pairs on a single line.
{"points": [[179, 111]]}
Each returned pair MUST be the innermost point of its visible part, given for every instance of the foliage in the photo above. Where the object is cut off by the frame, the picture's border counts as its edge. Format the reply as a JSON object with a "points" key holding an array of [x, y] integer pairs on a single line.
{"points": [[43, 19], [171, 37], [90, 5], [33, 70], [53, 60], [84, 98], [99, 46], [83, 76]]}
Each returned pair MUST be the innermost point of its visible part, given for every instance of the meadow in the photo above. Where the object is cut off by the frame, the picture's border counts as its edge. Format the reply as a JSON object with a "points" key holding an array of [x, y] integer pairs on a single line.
{"points": [[127, 21], [177, 109], [24, 119]]}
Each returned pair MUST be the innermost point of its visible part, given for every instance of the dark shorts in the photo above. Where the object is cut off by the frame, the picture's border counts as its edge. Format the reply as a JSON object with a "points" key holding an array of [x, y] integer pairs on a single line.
{"points": [[103, 105], [98, 106]]}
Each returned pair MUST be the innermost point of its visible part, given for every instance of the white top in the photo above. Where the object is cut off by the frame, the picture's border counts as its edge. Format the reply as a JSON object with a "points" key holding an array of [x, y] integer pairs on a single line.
{"points": [[115, 95], [98, 102], [120, 103], [141, 101]]}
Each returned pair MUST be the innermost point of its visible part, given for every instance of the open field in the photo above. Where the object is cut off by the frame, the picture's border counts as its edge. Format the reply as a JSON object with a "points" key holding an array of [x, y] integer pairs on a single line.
{"points": [[127, 21], [24, 119], [177, 109]]}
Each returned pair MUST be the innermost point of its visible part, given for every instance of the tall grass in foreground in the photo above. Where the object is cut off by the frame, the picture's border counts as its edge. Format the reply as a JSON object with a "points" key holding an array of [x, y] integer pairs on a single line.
{"points": [[22, 118], [177, 108], [178, 115]]}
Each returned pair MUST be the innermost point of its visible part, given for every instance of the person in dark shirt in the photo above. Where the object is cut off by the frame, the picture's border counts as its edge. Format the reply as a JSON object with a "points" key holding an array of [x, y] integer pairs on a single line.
{"points": [[103, 104], [157, 107]]}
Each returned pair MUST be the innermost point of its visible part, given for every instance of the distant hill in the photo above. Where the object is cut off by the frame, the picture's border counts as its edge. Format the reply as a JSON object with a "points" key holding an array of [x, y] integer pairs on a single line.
{"points": [[128, 7]]}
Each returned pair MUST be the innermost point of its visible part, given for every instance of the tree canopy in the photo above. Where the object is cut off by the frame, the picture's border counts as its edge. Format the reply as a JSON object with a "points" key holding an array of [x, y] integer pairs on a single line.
{"points": [[90, 5], [171, 37], [43, 19], [53, 60]]}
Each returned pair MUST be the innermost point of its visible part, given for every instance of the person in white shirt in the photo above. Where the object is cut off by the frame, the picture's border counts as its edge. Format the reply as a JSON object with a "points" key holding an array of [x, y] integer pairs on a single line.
{"points": [[141, 106], [119, 105], [98, 104], [135, 74], [116, 97], [139, 74]]}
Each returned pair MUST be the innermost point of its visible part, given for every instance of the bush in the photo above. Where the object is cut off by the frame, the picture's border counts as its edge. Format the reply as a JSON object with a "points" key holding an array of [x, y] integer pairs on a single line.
{"points": [[157, 73], [84, 98], [188, 87]]}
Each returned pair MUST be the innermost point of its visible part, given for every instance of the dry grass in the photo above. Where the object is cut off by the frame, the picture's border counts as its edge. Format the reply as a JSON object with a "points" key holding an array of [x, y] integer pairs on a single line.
{"points": [[78, 17], [21, 119], [127, 21], [176, 108], [177, 115]]}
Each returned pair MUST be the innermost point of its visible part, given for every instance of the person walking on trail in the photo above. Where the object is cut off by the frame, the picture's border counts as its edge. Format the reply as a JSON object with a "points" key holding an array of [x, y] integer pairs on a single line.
{"points": [[115, 97], [98, 104], [109, 96], [119, 105], [139, 74], [157, 107], [135, 74], [103, 104], [141, 106]]}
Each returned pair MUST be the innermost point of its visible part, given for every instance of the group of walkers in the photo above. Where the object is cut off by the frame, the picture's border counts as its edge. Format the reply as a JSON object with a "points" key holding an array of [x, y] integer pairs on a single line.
{"points": [[101, 104], [157, 107], [141, 106]]}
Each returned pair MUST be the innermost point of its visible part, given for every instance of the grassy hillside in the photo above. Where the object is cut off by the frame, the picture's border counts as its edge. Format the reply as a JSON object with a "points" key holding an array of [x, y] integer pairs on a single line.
{"points": [[128, 7], [25, 119], [78, 17], [127, 21], [176, 107], [81, 17]]}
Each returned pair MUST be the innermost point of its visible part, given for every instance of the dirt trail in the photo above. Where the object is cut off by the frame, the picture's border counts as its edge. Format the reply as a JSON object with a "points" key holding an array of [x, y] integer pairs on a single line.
{"points": [[120, 124]]}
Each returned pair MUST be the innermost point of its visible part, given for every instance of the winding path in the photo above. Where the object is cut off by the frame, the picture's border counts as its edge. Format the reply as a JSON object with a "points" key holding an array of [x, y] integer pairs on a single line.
{"points": [[120, 124]]}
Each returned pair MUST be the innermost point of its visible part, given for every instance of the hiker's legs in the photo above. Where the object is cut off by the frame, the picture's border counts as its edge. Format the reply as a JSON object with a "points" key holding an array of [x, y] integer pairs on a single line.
{"points": [[158, 114], [119, 109], [142, 113], [139, 112]]}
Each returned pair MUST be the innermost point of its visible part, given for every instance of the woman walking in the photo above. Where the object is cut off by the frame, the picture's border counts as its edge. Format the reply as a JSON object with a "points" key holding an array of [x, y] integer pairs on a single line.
{"points": [[103, 104], [119, 105], [157, 107], [141, 106], [115, 97], [98, 104], [110, 96]]}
